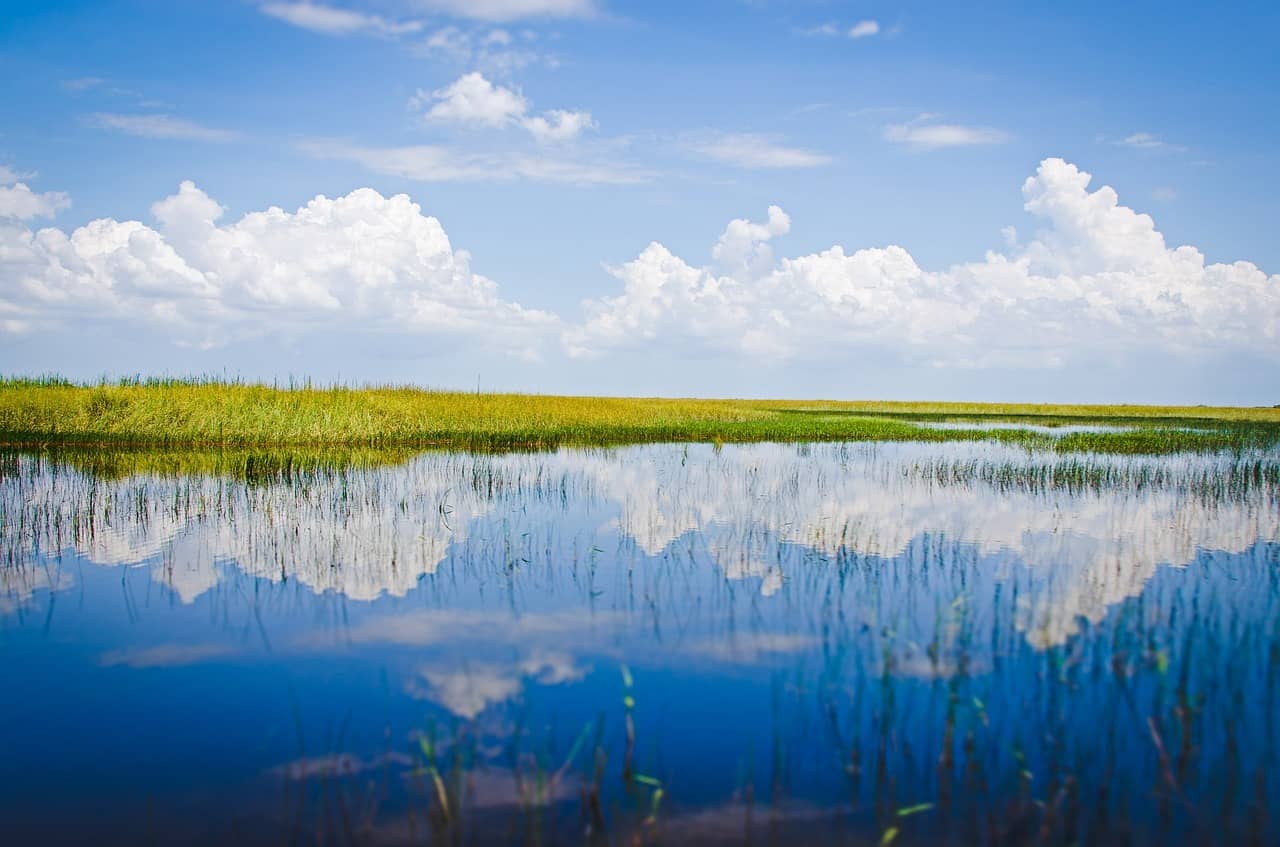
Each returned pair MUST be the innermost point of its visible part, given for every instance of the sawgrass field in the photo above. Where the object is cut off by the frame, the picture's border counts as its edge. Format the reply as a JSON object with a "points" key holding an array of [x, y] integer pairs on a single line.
{"points": [[220, 413]]}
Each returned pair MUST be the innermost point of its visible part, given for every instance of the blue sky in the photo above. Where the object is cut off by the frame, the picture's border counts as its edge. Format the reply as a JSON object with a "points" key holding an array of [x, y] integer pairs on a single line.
{"points": [[551, 142]]}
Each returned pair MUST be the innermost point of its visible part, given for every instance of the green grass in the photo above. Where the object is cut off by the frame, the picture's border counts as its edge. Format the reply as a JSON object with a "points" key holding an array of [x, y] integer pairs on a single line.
{"points": [[52, 411]]}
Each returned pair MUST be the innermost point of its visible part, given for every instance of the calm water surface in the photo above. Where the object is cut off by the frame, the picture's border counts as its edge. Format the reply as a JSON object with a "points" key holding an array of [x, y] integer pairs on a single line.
{"points": [[838, 643]]}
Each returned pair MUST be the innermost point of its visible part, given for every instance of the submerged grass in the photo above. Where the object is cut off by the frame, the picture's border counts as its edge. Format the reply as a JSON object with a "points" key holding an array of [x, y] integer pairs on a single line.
{"points": [[193, 413]]}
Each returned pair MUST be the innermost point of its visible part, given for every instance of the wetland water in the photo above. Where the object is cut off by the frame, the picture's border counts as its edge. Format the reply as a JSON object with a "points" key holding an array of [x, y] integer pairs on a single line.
{"points": [[833, 643]]}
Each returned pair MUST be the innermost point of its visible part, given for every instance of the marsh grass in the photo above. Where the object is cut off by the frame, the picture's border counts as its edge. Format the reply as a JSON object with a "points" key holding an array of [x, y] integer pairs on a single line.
{"points": [[219, 413]]}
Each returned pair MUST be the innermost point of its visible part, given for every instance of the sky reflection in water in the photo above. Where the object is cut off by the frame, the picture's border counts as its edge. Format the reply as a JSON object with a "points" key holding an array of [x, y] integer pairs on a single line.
{"points": [[817, 638]]}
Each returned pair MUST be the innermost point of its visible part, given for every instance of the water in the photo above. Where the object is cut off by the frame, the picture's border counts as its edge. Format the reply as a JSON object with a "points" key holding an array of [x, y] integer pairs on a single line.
{"points": [[1039, 429], [953, 642]]}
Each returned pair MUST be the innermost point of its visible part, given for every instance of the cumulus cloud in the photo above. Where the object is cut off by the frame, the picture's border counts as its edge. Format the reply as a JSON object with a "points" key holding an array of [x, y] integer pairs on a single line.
{"points": [[19, 202], [743, 249], [1097, 277], [748, 150], [472, 100], [363, 258], [925, 133], [160, 126], [331, 20]]}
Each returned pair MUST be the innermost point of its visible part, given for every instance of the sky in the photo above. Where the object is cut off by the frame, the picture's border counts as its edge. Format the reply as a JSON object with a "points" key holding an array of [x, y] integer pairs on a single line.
{"points": [[897, 200]]}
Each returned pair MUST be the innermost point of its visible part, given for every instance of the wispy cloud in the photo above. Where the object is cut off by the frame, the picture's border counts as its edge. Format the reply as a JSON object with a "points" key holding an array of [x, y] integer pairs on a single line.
{"points": [[84, 83], [491, 49], [861, 29], [750, 150], [826, 30], [925, 133], [510, 10], [331, 20], [864, 29], [1148, 141], [166, 656], [160, 126], [436, 163]]}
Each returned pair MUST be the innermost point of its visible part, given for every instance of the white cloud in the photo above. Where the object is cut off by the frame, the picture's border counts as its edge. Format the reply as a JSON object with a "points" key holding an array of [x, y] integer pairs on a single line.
{"points": [[558, 125], [472, 100], [434, 163], [743, 249], [861, 29], [331, 20], [864, 29], [748, 150], [361, 259], [165, 656], [1096, 279], [1142, 139], [1147, 141], [469, 690], [510, 10], [17, 201], [825, 30], [493, 50], [1099, 277], [925, 134], [160, 126]]}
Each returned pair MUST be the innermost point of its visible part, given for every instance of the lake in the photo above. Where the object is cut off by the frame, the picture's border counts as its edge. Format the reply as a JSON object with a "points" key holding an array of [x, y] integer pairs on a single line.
{"points": [[845, 643]]}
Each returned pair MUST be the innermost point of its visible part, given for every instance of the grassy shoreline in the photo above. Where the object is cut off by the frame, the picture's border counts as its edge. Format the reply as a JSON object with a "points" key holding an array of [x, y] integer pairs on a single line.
{"points": [[199, 413]]}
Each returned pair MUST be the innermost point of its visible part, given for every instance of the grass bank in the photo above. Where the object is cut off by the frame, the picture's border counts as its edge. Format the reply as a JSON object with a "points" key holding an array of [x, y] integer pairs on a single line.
{"points": [[200, 413]]}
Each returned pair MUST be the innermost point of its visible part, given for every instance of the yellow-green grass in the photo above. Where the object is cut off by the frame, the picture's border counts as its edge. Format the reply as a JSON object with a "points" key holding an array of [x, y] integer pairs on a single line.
{"points": [[195, 413]]}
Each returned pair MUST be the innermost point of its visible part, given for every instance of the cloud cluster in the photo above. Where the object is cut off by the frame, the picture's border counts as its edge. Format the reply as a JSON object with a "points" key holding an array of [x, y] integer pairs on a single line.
{"points": [[1097, 278], [472, 100], [475, 44], [362, 260], [19, 202]]}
